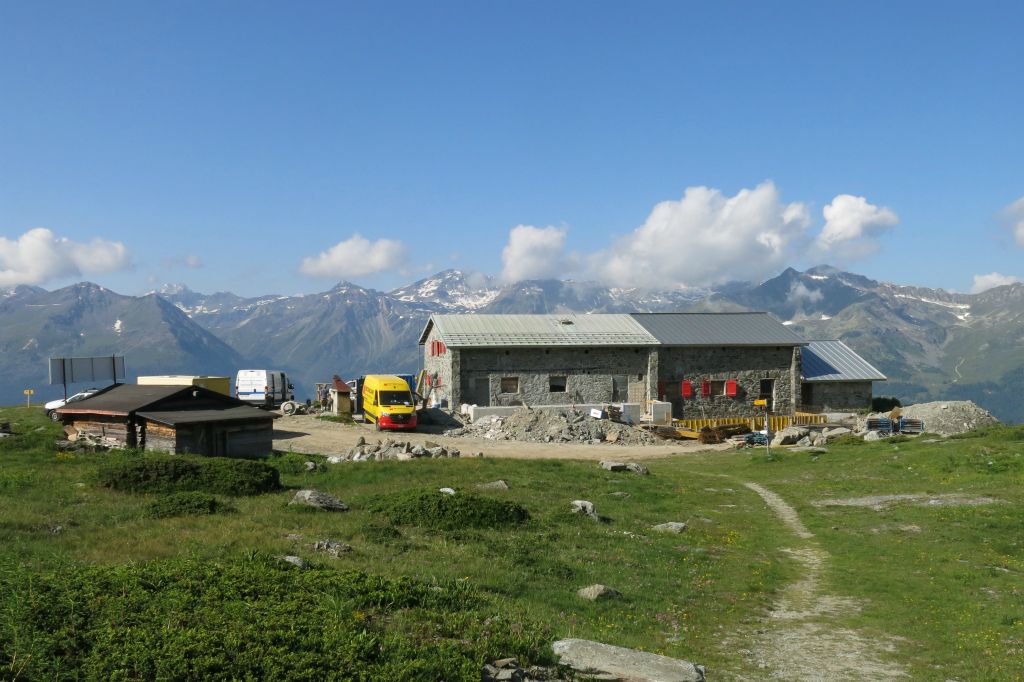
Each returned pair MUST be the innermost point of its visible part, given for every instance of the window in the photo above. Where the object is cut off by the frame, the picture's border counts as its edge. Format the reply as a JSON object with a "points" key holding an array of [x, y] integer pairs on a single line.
{"points": [[556, 384], [510, 384], [717, 387]]}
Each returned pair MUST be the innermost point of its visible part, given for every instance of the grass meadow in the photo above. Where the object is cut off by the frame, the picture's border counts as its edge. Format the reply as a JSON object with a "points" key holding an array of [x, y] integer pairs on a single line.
{"points": [[95, 585]]}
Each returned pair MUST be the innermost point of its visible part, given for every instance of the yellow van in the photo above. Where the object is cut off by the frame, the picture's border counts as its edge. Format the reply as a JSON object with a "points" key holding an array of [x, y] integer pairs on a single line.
{"points": [[388, 402]]}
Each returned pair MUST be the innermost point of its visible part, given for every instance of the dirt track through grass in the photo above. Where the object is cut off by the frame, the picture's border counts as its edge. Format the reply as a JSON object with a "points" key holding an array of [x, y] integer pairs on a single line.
{"points": [[799, 639]]}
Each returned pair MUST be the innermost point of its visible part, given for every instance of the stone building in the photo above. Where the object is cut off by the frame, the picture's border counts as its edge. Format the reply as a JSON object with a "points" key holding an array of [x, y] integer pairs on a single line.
{"points": [[174, 419], [834, 378], [705, 364]]}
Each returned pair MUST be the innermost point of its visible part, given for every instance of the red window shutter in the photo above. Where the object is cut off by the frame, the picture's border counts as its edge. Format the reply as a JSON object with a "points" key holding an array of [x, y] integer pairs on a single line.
{"points": [[705, 388], [687, 389], [441, 348], [730, 388], [432, 348]]}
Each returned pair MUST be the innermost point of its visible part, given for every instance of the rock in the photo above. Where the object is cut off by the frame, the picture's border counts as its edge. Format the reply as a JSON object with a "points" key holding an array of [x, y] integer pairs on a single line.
{"points": [[331, 548], [500, 484], [619, 663], [446, 491], [619, 493], [872, 436], [436, 452], [810, 450], [613, 466], [790, 435], [295, 561], [584, 507], [310, 466], [598, 592], [836, 432], [418, 450], [318, 500], [804, 442], [294, 536], [637, 468], [670, 527], [336, 459], [361, 441]]}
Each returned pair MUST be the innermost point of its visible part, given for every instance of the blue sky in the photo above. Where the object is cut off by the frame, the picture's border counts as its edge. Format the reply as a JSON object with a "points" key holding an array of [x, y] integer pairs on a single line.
{"points": [[244, 146]]}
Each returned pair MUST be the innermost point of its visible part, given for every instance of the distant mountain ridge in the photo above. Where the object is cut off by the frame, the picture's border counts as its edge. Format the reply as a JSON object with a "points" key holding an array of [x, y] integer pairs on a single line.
{"points": [[932, 344]]}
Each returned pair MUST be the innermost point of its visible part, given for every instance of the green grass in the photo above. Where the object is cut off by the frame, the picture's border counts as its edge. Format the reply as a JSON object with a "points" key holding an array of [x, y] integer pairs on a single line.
{"points": [[951, 590]]}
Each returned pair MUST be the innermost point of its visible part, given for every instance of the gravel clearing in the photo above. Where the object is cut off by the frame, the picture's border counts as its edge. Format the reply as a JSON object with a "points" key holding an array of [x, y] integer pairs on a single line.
{"points": [[547, 426]]}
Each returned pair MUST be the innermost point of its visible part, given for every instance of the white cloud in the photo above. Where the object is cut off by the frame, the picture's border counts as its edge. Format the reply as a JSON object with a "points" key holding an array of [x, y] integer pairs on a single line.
{"points": [[706, 238], [852, 227], [1013, 215], [534, 253], [39, 256], [356, 257], [992, 279], [799, 292], [191, 261]]}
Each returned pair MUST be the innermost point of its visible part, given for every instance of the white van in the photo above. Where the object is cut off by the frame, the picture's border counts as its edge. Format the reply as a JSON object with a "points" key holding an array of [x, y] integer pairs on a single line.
{"points": [[263, 387]]}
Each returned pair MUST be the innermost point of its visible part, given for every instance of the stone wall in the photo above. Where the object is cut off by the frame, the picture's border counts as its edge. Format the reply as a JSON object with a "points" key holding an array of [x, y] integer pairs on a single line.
{"points": [[832, 396], [589, 375], [439, 369], [748, 366]]}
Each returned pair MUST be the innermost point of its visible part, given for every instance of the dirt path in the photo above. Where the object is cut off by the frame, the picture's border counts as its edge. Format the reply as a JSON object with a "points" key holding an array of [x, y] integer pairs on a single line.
{"points": [[800, 639], [309, 435]]}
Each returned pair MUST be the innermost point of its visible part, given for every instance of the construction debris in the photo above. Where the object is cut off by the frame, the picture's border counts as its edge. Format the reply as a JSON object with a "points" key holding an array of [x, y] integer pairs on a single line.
{"points": [[549, 426], [944, 418]]}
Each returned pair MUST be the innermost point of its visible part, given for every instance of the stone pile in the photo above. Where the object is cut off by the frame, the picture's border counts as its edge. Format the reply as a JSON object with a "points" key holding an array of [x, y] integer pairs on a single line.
{"points": [[944, 418], [389, 449], [549, 426]]}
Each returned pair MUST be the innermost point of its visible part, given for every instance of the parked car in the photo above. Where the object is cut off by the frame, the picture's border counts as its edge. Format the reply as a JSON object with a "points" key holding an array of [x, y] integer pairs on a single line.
{"points": [[54, 405]]}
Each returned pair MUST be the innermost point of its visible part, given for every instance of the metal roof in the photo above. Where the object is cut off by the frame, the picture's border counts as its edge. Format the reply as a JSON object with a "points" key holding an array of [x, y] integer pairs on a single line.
{"points": [[462, 331], [835, 361], [230, 414], [717, 329]]}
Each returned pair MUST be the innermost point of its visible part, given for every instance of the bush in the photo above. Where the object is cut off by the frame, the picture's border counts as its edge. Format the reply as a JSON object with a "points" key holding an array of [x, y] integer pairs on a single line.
{"points": [[291, 462], [432, 509], [254, 619], [185, 504], [218, 475], [884, 404]]}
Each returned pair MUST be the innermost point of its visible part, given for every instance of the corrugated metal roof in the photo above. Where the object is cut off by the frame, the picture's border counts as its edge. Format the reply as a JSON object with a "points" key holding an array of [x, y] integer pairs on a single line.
{"points": [[835, 361], [462, 331], [230, 414], [717, 329]]}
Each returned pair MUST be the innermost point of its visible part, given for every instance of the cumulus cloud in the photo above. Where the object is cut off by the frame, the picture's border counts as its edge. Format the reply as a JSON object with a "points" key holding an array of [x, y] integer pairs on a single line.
{"points": [[1013, 216], [992, 279], [799, 293], [533, 253], [356, 257], [853, 226], [706, 238], [39, 256]]}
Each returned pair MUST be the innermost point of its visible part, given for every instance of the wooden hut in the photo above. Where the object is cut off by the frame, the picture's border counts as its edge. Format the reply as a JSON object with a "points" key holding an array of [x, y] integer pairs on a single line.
{"points": [[175, 419]]}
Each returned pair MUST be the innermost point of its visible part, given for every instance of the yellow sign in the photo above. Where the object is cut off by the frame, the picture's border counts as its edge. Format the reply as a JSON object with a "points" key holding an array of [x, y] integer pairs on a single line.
{"points": [[29, 391], [761, 403]]}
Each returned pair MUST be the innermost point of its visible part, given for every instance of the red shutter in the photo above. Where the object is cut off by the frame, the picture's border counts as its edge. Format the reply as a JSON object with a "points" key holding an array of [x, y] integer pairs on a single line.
{"points": [[705, 388], [687, 389], [730, 388], [441, 348]]}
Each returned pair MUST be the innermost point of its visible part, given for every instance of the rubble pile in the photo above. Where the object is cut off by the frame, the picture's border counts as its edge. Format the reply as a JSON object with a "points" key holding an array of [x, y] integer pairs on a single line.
{"points": [[944, 418], [547, 426], [392, 449]]}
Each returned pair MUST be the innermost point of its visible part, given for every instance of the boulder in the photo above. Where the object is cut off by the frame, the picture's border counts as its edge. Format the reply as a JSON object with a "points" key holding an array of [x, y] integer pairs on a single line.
{"points": [[619, 663], [446, 491], [835, 432], [584, 507], [295, 561], [331, 548], [613, 466], [637, 468], [500, 484], [318, 500], [670, 527], [872, 436], [598, 592]]}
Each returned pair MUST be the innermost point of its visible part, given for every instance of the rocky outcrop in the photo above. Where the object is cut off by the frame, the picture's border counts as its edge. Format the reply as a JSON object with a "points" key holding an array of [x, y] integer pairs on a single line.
{"points": [[608, 662]]}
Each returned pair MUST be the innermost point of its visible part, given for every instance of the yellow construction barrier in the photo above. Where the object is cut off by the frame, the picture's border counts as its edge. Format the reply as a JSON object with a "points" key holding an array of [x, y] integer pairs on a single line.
{"points": [[776, 422]]}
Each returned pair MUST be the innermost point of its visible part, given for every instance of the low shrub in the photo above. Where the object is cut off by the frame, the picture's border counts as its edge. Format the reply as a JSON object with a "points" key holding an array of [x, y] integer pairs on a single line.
{"points": [[185, 504], [217, 475], [290, 462], [884, 403], [436, 510], [250, 619]]}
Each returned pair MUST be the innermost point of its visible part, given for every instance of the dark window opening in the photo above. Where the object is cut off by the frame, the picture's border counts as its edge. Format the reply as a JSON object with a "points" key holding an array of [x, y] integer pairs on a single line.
{"points": [[556, 384], [717, 387], [510, 384]]}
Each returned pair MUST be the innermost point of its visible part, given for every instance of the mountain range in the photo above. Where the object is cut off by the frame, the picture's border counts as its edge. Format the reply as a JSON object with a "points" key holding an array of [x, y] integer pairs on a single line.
{"points": [[931, 343]]}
